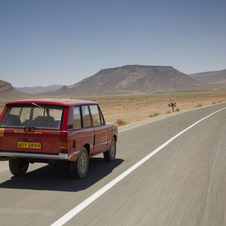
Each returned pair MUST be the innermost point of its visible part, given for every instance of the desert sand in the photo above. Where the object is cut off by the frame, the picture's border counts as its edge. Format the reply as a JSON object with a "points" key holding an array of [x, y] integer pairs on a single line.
{"points": [[136, 108]]}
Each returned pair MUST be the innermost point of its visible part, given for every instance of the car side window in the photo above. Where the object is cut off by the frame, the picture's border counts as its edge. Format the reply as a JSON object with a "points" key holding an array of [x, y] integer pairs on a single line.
{"points": [[101, 117], [96, 115], [86, 121], [77, 123]]}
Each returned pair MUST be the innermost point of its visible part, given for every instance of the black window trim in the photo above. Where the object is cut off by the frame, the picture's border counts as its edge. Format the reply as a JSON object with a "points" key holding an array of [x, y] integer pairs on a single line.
{"points": [[80, 112], [89, 116], [100, 114]]}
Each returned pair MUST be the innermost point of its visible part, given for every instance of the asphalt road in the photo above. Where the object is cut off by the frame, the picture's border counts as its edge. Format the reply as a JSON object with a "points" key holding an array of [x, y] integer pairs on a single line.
{"points": [[184, 183]]}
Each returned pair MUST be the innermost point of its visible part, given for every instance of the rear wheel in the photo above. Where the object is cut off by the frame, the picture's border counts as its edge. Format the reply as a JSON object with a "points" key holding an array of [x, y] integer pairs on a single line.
{"points": [[109, 155], [18, 168], [79, 168]]}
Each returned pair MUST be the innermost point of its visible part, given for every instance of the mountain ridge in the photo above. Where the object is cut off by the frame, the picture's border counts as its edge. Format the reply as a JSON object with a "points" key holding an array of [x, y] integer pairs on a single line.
{"points": [[128, 79], [217, 77], [8, 92], [39, 89], [134, 79]]}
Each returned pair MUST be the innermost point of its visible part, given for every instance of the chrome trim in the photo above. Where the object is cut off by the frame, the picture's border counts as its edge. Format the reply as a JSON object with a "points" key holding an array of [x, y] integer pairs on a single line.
{"points": [[60, 156]]}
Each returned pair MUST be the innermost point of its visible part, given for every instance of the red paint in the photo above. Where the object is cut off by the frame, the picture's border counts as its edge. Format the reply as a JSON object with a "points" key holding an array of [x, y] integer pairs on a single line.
{"points": [[96, 139]]}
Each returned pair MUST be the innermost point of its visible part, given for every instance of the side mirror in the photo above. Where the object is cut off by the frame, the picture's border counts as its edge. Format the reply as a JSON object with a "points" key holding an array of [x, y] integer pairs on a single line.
{"points": [[119, 121]]}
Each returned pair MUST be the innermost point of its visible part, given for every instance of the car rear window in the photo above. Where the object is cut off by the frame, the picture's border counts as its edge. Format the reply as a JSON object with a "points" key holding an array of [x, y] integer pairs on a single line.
{"points": [[34, 116]]}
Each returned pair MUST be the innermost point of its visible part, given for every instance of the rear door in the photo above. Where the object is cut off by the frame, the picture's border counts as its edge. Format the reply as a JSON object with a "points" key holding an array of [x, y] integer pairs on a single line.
{"points": [[82, 131], [100, 129]]}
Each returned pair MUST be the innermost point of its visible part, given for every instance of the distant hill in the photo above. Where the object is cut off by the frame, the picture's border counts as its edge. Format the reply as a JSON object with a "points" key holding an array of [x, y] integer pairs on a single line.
{"points": [[134, 79], [7, 92], [130, 79], [39, 89], [217, 77]]}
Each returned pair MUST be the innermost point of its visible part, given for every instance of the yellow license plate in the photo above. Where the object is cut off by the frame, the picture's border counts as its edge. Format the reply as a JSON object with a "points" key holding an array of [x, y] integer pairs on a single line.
{"points": [[29, 145]]}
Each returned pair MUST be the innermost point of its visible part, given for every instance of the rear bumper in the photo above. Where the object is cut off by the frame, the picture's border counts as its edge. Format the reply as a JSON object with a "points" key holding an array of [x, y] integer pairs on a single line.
{"points": [[60, 156]]}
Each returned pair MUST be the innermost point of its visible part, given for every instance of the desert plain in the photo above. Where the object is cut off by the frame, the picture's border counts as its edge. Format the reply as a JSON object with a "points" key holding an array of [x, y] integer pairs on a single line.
{"points": [[136, 108]]}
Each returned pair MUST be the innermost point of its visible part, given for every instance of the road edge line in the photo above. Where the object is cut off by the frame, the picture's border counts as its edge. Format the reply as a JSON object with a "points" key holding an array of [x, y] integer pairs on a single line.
{"points": [[64, 219]]}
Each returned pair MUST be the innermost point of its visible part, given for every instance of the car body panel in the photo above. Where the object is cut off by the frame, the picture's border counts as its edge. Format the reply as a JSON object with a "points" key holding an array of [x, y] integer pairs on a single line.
{"points": [[43, 145]]}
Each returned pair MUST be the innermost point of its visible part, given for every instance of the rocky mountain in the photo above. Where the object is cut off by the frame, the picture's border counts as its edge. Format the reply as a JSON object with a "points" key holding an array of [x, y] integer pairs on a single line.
{"points": [[7, 92], [134, 79], [217, 77], [130, 79], [39, 89]]}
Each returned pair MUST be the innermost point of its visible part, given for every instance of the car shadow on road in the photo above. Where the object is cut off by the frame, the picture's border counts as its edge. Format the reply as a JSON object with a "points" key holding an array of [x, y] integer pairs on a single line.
{"points": [[60, 179]]}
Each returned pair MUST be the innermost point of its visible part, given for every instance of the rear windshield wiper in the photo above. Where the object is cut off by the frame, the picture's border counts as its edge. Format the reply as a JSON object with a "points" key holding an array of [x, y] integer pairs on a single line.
{"points": [[38, 105], [46, 110]]}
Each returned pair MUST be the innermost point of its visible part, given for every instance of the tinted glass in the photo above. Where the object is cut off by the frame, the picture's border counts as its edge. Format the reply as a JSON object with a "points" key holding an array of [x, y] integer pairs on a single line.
{"points": [[42, 117], [77, 118], [86, 121], [95, 115]]}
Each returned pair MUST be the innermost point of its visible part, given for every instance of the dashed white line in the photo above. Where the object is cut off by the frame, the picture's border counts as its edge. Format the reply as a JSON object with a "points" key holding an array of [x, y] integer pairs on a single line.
{"points": [[96, 195]]}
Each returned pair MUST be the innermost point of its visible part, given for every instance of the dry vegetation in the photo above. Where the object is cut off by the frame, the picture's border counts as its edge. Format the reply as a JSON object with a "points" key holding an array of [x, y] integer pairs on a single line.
{"points": [[134, 108]]}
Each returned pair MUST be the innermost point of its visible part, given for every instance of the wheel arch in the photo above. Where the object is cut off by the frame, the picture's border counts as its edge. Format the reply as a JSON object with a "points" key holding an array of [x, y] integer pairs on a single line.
{"points": [[116, 137], [87, 146]]}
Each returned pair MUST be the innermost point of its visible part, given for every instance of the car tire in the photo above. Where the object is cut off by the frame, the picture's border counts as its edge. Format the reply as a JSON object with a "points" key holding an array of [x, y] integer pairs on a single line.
{"points": [[79, 168], [110, 154], [18, 168]]}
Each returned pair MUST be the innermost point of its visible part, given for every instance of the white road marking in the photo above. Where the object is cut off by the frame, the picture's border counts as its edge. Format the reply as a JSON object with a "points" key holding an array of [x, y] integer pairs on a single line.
{"points": [[96, 195]]}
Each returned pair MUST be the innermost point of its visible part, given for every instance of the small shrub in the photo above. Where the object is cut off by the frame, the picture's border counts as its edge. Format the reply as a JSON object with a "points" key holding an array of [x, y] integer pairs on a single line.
{"points": [[214, 103], [155, 114], [168, 112], [177, 109], [199, 105]]}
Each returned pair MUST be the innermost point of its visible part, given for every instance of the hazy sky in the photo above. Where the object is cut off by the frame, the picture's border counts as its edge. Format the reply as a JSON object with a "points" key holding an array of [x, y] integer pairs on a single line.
{"points": [[45, 42]]}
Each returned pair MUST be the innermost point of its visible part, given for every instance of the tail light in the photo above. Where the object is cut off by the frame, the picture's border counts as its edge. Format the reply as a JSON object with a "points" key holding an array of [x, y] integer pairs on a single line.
{"points": [[63, 146]]}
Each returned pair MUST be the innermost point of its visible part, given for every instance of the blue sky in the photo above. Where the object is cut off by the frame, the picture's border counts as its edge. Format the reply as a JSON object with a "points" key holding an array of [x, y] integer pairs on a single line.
{"points": [[45, 42]]}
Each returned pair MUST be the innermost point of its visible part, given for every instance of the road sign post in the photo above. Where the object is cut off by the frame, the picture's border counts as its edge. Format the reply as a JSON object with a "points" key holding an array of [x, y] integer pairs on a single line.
{"points": [[172, 105]]}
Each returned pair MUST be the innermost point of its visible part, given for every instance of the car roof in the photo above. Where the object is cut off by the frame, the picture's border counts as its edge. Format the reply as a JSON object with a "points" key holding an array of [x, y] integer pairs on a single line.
{"points": [[61, 102]]}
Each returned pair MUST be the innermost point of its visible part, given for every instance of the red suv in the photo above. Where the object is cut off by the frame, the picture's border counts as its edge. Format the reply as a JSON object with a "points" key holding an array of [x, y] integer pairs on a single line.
{"points": [[55, 131]]}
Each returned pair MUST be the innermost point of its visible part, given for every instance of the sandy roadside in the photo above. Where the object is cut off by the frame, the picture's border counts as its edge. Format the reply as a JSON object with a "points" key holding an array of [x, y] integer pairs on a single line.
{"points": [[137, 108]]}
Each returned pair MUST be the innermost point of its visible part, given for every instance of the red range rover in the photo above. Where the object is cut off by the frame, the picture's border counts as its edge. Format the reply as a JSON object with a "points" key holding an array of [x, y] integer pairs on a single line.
{"points": [[55, 131]]}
